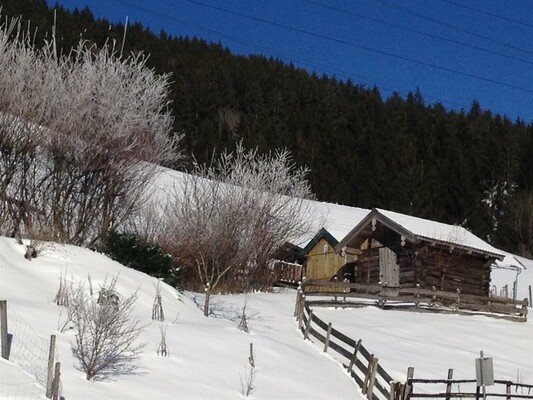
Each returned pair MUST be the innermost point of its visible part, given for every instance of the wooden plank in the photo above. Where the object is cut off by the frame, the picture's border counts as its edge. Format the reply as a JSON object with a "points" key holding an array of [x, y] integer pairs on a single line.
{"points": [[308, 325], [319, 322], [446, 381], [357, 379], [342, 337], [339, 349], [386, 377], [316, 334], [384, 391]]}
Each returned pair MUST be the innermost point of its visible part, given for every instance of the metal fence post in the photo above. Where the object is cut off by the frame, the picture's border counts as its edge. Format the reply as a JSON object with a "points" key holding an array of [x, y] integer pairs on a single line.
{"points": [[3, 329]]}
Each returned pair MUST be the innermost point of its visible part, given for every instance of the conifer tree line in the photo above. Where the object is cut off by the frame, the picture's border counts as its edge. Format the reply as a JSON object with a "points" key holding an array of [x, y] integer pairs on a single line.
{"points": [[470, 167]]}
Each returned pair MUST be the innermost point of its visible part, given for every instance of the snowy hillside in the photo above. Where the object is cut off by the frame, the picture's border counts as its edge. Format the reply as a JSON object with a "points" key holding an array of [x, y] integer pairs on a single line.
{"points": [[208, 356]]}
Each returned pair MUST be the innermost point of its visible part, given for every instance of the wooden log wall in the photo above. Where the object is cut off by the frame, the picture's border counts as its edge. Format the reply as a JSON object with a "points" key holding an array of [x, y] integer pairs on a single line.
{"points": [[444, 269], [426, 266]]}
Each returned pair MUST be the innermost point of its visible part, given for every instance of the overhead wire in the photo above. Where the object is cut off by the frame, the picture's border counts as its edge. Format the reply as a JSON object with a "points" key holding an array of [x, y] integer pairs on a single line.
{"points": [[416, 31], [324, 67], [502, 17], [360, 46], [454, 27]]}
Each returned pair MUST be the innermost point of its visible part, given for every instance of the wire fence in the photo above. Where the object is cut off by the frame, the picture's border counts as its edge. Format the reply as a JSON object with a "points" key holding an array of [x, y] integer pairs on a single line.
{"points": [[21, 391], [29, 351]]}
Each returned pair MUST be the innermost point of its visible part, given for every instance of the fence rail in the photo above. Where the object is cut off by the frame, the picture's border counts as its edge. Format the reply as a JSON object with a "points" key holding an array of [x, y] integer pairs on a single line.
{"points": [[369, 375], [361, 365], [458, 302], [492, 391]]}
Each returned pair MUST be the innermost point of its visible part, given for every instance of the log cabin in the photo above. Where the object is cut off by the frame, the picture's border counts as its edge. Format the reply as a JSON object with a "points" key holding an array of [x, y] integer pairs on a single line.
{"points": [[396, 250]]}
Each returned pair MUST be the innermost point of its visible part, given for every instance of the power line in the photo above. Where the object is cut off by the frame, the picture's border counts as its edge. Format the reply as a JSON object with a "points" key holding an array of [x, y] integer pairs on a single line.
{"points": [[457, 28], [515, 21], [362, 47], [431, 35], [325, 67]]}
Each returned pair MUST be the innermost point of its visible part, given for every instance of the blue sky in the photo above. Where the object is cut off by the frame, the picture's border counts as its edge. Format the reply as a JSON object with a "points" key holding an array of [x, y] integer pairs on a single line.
{"points": [[454, 51]]}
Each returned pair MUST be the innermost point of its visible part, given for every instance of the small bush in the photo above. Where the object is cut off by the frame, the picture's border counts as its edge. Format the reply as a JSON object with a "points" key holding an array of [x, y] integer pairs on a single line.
{"points": [[134, 252]]}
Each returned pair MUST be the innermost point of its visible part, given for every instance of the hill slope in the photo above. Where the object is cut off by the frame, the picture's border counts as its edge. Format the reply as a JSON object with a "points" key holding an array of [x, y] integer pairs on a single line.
{"points": [[208, 355]]}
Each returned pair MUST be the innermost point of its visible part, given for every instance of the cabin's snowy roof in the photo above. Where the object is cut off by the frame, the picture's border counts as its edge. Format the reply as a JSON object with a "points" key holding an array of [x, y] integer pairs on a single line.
{"points": [[432, 230], [337, 219]]}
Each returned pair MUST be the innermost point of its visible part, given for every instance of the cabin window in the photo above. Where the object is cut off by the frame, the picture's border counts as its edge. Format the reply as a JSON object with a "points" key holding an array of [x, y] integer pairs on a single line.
{"points": [[326, 248]]}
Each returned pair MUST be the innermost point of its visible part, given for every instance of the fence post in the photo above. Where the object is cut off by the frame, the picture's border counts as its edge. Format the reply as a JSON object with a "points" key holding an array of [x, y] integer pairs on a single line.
{"points": [[408, 388], [3, 329], [449, 384], [370, 377], [50, 369], [298, 295], [326, 342], [354, 355], [393, 390], [374, 369], [55, 385], [530, 297], [308, 326], [523, 309], [301, 310], [508, 388]]}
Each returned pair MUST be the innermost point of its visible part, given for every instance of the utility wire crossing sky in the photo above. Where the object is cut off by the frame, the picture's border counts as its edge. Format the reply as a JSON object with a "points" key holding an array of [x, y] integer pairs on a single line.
{"points": [[455, 52]]}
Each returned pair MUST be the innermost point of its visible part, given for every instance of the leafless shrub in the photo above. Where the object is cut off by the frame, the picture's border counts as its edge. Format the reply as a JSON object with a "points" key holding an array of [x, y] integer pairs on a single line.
{"points": [[247, 382], [79, 136], [61, 297], [106, 339], [228, 218], [162, 349], [157, 308], [243, 323]]}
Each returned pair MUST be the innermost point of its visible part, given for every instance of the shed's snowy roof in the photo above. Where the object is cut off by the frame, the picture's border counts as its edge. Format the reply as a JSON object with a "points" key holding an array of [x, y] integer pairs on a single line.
{"points": [[336, 218], [432, 230]]}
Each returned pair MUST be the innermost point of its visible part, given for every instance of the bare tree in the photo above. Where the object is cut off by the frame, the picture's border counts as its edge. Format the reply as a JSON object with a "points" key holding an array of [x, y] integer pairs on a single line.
{"points": [[229, 217], [248, 383], [106, 339], [162, 348], [83, 133], [520, 222]]}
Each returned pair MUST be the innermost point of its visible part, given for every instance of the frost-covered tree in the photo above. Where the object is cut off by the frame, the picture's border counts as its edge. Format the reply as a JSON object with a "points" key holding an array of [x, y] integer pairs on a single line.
{"points": [[229, 217], [80, 135], [106, 339]]}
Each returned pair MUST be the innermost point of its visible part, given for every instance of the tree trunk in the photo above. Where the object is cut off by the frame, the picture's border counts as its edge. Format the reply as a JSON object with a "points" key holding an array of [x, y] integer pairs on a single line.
{"points": [[206, 302]]}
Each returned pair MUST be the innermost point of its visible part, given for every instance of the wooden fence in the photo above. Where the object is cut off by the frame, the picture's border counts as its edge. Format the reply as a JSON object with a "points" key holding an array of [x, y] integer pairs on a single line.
{"points": [[362, 366], [457, 302], [374, 381], [500, 389], [286, 273]]}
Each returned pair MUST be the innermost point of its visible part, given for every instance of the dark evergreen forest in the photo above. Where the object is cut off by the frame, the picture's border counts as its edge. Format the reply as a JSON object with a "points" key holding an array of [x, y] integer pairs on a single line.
{"points": [[468, 167]]}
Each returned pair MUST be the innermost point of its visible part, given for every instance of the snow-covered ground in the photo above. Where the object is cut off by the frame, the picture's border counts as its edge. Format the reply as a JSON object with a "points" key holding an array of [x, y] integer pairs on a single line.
{"points": [[208, 356]]}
